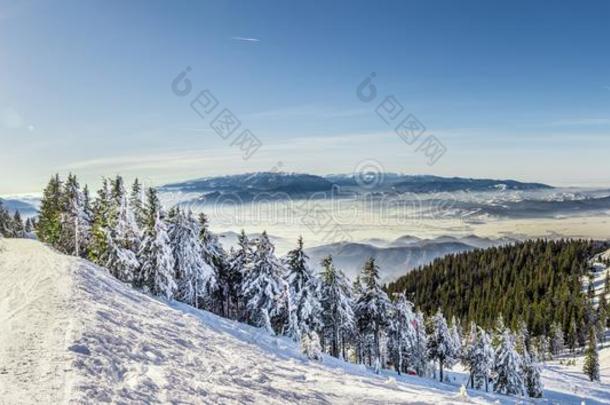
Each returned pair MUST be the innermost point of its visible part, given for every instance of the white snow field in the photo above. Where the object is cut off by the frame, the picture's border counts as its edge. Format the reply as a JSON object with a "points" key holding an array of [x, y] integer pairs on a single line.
{"points": [[71, 333]]}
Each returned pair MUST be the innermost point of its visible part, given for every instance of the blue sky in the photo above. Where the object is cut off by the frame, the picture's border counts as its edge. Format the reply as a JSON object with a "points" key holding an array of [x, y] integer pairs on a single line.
{"points": [[515, 90]]}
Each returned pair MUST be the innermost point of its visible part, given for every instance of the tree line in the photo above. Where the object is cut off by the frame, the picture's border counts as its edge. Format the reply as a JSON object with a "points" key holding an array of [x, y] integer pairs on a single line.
{"points": [[14, 226], [174, 254]]}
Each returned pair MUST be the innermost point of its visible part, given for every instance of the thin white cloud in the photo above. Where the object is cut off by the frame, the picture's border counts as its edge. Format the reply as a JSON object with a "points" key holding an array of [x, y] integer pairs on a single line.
{"points": [[246, 39]]}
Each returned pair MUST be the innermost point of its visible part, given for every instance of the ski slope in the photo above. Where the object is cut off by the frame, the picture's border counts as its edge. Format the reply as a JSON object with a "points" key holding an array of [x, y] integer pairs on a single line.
{"points": [[70, 333]]}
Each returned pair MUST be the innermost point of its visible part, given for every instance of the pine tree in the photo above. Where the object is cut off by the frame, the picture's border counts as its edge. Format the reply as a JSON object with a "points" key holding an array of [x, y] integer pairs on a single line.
{"points": [[136, 203], [48, 228], [75, 226], [533, 382], [156, 273], [123, 242], [440, 344], [238, 261], [97, 250], [557, 343], [337, 314], [591, 364], [485, 358], [508, 367], [18, 226], [372, 307], [402, 334], [5, 222], [263, 288], [419, 355], [215, 256], [195, 279], [304, 290]]}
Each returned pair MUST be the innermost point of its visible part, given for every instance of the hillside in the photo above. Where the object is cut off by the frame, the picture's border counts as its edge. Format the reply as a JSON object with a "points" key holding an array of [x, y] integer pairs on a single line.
{"points": [[75, 334], [535, 281]]}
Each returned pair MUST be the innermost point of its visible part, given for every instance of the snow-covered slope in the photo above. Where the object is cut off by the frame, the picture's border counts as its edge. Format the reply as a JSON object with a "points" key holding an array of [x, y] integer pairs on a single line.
{"points": [[70, 333]]}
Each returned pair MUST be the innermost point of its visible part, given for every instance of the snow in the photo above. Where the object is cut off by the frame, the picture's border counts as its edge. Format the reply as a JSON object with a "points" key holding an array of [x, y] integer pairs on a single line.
{"points": [[71, 333]]}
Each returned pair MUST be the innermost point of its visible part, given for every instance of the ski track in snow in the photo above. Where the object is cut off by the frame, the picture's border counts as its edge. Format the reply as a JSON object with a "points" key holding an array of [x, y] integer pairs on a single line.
{"points": [[73, 334]]}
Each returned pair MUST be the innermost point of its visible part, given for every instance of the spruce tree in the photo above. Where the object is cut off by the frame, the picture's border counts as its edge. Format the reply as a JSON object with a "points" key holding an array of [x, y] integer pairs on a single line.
{"points": [[371, 310], [75, 226], [508, 367], [48, 228], [97, 250], [123, 242], [5, 222], [591, 364], [304, 290], [195, 279], [18, 226], [337, 313], [264, 288], [157, 262], [440, 344], [557, 342], [238, 261], [419, 355], [215, 256], [401, 334]]}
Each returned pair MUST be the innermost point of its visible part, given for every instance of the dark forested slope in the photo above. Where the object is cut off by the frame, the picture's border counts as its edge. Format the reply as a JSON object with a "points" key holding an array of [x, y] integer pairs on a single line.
{"points": [[536, 281]]}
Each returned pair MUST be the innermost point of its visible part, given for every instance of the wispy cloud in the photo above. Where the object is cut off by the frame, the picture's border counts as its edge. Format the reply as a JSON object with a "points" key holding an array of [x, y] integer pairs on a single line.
{"points": [[246, 39], [581, 121]]}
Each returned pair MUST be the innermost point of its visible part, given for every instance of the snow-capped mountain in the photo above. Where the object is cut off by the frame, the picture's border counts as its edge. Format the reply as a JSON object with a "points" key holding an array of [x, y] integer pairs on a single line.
{"points": [[282, 185]]}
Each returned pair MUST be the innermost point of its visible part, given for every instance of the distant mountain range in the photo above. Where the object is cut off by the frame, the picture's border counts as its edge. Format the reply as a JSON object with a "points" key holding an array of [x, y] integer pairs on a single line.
{"points": [[279, 185], [395, 258], [26, 207], [399, 256]]}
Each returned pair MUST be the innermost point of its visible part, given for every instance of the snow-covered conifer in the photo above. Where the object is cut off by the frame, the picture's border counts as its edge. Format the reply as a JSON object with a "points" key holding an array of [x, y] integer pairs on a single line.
{"points": [[371, 309], [441, 346], [401, 334], [557, 341], [304, 291], [591, 364], [263, 286], [156, 273], [508, 367], [123, 242], [195, 279], [238, 261], [337, 313], [419, 354]]}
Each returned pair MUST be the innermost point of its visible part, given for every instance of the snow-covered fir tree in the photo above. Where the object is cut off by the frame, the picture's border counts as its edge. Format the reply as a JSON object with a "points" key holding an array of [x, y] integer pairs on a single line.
{"points": [[156, 259], [136, 203], [264, 288], [441, 346], [533, 382], [482, 360], [18, 226], [195, 279], [456, 337], [48, 228], [508, 367], [215, 256], [419, 355], [97, 250], [123, 241], [75, 221], [5, 222], [557, 342], [591, 364], [337, 313], [239, 259], [304, 294], [402, 334], [371, 310]]}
